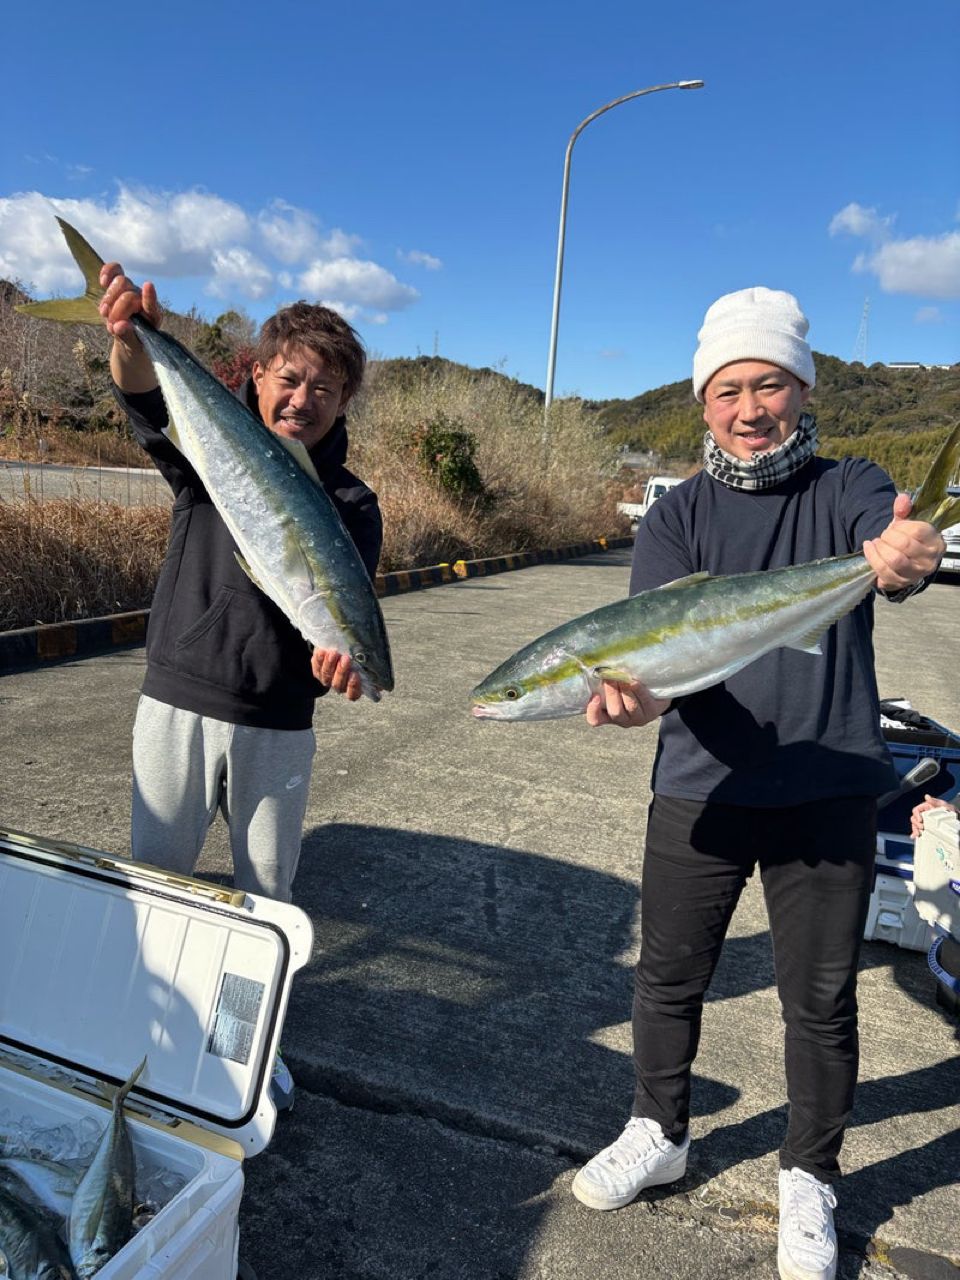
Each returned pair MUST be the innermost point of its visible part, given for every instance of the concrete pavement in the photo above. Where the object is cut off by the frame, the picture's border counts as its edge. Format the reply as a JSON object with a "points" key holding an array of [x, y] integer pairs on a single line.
{"points": [[461, 1036]]}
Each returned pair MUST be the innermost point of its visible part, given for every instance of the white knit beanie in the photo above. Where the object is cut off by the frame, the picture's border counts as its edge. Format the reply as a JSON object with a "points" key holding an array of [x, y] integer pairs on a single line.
{"points": [[753, 324]]}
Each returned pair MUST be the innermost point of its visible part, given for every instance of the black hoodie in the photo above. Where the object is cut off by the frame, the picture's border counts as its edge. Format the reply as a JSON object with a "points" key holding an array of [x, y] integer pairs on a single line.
{"points": [[216, 644]]}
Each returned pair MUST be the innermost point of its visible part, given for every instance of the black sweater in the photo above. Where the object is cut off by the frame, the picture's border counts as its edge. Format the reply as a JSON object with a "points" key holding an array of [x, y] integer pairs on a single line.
{"points": [[216, 645], [791, 727]]}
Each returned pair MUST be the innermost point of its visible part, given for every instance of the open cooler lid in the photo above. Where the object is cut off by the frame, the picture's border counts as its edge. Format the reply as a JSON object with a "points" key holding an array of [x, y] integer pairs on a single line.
{"points": [[104, 961]]}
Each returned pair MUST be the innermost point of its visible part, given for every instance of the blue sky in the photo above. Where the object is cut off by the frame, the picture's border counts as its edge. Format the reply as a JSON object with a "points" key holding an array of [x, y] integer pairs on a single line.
{"points": [[404, 162]]}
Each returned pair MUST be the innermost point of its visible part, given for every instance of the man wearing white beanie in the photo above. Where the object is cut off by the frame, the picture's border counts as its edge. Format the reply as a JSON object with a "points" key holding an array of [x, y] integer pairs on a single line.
{"points": [[778, 767]]}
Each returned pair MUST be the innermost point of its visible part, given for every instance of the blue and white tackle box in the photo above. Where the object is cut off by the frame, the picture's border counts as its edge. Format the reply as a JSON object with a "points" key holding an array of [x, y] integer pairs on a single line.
{"points": [[911, 738], [103, 962]]}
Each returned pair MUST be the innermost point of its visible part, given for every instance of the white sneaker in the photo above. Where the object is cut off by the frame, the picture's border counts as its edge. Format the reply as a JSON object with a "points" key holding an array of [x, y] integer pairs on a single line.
{"points": [[807, 1248], [640, 1157]]}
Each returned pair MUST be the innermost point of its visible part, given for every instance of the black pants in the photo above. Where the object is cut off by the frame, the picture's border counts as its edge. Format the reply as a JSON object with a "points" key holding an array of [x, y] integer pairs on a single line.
{"points": [[816, 865]]}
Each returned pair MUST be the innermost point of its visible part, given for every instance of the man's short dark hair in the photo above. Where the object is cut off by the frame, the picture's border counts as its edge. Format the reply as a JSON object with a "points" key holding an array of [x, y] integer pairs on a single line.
{"points": [[321, 330]]}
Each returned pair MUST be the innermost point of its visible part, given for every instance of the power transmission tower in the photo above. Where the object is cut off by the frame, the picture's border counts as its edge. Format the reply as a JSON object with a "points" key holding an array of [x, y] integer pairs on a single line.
{"points": [[860, 346]]}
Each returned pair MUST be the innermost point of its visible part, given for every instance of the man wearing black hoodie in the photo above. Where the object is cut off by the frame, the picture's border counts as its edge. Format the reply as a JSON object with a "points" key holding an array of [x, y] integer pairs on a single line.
{"points": [[225, 714]]}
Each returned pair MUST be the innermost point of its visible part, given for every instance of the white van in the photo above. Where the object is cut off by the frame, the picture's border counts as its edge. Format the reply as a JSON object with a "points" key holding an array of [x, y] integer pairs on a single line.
{"points": [[656, 487], [951, 557]]}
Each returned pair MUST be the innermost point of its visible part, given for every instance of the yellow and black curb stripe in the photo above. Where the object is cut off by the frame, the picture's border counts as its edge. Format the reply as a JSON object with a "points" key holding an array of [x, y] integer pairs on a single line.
{"points": [[57, 641], [60, 641]]}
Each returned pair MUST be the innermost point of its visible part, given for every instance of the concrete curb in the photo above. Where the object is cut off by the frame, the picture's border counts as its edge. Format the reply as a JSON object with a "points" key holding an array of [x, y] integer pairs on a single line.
{"points": [[60, 641]]}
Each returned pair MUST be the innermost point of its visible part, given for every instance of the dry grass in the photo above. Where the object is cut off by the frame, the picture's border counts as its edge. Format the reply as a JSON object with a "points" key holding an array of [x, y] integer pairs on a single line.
{"points": [[66, 558], [545, 488], [70, 558]]}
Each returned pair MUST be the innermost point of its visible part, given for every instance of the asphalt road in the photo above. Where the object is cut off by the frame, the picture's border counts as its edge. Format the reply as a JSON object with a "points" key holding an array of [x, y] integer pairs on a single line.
{"points": [[130, 486], [461, 1036]]}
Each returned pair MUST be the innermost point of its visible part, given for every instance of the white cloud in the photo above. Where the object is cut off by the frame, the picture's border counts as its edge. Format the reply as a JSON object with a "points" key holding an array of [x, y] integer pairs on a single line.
{"points": [[339, 244], [293, 235], [290, 234], [358, 282], [417, 258], [346, 309], [167, 235], [858, 221], [929, 315], [927, 266], [237, 271]]}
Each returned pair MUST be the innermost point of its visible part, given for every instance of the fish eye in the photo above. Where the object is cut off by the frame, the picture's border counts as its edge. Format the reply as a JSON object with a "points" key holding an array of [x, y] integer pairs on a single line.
{"points": [[360, 658], [511, 693]]}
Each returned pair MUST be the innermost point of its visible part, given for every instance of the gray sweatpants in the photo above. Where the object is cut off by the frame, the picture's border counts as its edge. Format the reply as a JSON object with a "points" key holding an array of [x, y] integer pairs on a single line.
{"points": [[186, 766]]}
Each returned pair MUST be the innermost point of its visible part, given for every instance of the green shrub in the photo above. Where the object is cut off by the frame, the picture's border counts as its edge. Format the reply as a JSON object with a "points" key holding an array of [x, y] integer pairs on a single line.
{"points": [[446, 451]]}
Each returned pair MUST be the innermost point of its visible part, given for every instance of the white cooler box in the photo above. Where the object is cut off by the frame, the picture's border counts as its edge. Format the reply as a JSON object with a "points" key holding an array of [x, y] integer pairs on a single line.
{"points": [[892, 915], [104, 961]]}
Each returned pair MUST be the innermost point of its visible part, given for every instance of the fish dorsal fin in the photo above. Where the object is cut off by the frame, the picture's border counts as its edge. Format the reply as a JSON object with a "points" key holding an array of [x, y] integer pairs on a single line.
{"points": [[688, 581], [298, 451]]}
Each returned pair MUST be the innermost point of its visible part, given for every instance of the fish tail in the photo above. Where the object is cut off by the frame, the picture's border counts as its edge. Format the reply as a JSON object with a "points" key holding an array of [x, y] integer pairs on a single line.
{"points": [[931, 502], [80, 310], [120, 1095]]}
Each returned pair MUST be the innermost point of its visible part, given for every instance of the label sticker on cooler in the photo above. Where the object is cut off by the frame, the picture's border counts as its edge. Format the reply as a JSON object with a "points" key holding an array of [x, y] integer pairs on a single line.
{"points": [[235, 1021]]}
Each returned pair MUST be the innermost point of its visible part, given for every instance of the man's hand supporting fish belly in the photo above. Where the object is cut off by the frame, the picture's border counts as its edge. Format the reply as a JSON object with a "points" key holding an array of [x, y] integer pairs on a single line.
{"points": [[332, 668], [631, 706], [905, 553]]}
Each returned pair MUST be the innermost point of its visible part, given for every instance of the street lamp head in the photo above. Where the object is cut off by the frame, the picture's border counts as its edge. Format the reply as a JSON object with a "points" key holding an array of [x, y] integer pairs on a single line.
{"points": [[690, 84]]}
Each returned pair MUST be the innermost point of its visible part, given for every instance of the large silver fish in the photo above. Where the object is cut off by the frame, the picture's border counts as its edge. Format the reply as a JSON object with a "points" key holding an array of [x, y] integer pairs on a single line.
{"points": [[30, 1248], [292, 542], [695, 632], [51, 1184], [101, 1216]]}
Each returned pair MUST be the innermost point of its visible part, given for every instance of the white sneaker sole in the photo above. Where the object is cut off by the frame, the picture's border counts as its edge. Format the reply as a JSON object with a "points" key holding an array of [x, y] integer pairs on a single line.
{"points": [[790, 1271], [593, 1199]]}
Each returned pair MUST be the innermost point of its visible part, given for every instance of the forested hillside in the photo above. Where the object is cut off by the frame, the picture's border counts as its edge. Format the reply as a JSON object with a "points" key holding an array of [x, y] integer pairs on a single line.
{"points": [[56, 376]]}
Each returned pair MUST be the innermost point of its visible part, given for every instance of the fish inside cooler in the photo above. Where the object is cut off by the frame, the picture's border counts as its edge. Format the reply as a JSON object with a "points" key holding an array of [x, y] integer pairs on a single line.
{"points": [[188, 1196], [103, 963]]}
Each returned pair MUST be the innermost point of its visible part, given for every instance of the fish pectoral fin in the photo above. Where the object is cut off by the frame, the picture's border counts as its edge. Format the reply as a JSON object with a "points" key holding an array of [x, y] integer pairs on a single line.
{"points": [[324, 599], [614, 675], [589, 673], [295, 562], [298, 451], [688, 581]]}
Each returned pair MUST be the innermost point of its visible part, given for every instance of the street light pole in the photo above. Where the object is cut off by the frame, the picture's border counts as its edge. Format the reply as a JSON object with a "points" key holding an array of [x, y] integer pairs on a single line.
{"points": [[637, 93]]}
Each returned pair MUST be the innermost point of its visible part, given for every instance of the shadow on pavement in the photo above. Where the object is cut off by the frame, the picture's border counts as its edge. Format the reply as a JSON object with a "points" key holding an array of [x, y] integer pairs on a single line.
{"points": [[471, 981], [488, 989], [468, 984]]}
